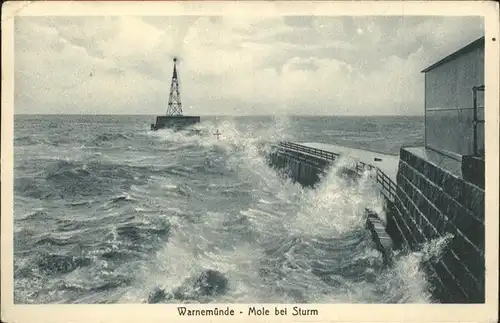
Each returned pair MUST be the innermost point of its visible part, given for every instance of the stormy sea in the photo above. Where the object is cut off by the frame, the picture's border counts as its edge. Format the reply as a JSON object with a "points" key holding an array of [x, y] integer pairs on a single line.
{"points": [[106, 211]]}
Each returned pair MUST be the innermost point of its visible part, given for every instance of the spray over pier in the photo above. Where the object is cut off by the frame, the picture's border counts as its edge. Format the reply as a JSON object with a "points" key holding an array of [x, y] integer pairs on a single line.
{"points": [[431, 192]]}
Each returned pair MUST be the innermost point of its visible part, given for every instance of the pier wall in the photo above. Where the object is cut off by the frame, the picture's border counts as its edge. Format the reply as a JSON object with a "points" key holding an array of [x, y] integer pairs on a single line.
{"points": [[430, 203], [301, 167]]}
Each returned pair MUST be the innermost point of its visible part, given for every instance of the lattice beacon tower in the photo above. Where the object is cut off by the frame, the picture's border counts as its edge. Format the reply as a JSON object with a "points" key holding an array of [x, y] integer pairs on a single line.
{"points": [[174, 118]]}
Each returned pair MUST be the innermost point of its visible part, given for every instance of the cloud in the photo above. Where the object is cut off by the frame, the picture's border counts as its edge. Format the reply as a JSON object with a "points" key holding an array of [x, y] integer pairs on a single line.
{"points": [[231, 64]]}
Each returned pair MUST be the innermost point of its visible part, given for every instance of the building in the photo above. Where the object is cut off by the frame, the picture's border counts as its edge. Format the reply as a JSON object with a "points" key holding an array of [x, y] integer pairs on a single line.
{"points": [[454, 111], [440, 186]]}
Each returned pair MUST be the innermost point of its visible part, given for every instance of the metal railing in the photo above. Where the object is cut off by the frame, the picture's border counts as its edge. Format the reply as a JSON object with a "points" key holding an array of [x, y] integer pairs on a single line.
{"points": [[387, 186], [312, 151]]}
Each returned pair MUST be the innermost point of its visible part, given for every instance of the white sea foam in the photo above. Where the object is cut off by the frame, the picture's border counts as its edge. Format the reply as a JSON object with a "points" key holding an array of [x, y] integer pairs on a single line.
{"points": [[306, 227]]}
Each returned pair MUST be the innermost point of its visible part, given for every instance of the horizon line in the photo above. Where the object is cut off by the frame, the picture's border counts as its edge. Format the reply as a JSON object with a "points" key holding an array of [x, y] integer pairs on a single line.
{"points": [[228, 115]]}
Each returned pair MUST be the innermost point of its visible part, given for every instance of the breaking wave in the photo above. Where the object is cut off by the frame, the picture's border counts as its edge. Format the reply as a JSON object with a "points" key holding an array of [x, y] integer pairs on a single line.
{"points": [[175, 217]]}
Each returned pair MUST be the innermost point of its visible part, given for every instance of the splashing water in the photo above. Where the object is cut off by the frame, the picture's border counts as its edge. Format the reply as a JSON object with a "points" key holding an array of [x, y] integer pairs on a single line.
{"points": [[177, 217]]}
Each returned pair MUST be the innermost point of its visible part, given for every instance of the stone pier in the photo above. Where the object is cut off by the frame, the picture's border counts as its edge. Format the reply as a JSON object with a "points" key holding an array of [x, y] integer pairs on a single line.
{"points": [[432, 202], [427, 199]]}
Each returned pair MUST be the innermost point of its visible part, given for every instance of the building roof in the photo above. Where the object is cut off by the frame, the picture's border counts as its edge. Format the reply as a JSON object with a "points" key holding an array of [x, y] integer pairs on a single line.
{"points": [[475, 44]]}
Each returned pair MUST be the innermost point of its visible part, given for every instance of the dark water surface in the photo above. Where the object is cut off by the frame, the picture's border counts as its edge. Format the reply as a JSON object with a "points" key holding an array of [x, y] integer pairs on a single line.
{"points": [[107, 211]]}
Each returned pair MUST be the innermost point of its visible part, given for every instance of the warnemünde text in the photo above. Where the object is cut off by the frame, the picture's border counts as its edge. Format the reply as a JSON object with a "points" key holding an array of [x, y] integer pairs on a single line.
{"points": [[252, 311]]}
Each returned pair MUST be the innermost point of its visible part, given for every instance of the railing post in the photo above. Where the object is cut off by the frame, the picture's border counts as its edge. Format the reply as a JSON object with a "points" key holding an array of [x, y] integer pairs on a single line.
{"points": [[474, 122]]}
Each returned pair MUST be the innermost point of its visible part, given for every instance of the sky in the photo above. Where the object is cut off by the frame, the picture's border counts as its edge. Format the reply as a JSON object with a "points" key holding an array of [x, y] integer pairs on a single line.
{"points": [[231, 65]]}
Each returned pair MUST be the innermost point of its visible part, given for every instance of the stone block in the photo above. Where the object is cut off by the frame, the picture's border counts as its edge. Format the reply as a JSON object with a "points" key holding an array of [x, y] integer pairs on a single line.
{"points": [[431, 171], [411, 216], [470, 226], [431, 214], [454, 187], [474, 200], [409, 158], [441, 223], [463, 278], [420, 209], [437, 288], [469, 256], [473, 170], [454, 293], [403, 226]]}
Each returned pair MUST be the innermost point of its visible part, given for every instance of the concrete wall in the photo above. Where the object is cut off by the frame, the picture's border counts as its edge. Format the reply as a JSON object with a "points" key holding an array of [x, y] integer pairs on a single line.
{"points": [[447, 87], [305, 169], [431, 203]]}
